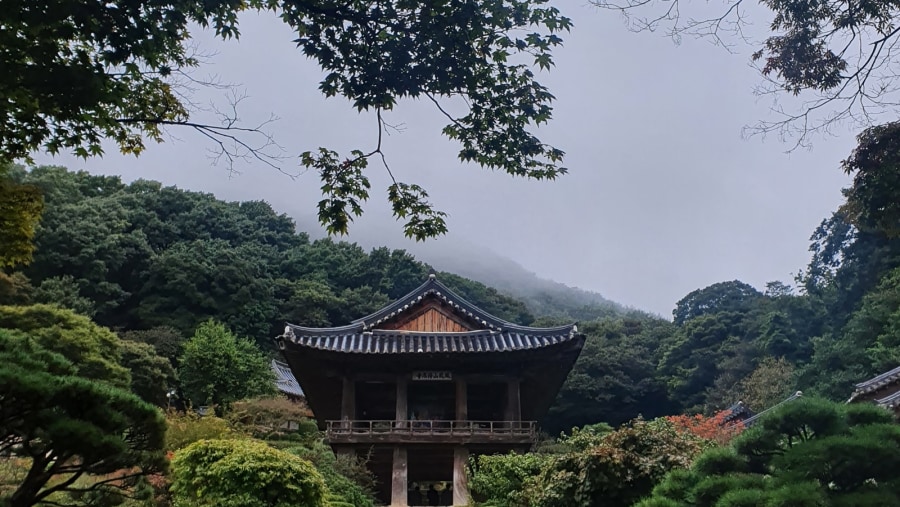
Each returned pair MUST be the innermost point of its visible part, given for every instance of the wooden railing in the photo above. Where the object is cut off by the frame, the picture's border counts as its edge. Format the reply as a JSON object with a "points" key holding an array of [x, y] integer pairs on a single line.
{"points": [[431, 430]]}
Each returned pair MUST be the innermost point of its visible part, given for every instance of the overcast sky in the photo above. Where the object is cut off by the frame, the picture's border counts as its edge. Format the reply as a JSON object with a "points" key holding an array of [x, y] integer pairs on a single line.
{"points": [[664, 195]]}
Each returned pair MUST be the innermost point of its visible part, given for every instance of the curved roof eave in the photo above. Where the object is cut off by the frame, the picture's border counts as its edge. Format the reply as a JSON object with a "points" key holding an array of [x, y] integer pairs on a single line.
{"points": [[875, 383], [394, 342], [293, 329]]}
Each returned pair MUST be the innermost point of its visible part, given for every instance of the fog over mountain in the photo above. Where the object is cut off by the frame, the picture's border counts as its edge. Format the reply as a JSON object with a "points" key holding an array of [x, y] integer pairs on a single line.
{"points": [[504, 274]]}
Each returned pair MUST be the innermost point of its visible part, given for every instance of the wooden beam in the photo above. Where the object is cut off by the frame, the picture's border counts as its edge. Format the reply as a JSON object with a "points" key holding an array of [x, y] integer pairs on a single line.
{"points": [[460, 481], [399, 483], [402, 403], [513, 405], [462, 399], [348, 399]]}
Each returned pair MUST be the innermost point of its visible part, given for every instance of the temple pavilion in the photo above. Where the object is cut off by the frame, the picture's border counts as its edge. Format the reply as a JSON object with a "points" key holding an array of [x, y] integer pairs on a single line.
{"points": [[882, 390], [427, 381]]}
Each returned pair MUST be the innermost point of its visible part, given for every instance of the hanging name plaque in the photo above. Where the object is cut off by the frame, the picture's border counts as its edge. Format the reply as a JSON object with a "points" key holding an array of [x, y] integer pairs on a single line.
{"points": [[432, 375]]}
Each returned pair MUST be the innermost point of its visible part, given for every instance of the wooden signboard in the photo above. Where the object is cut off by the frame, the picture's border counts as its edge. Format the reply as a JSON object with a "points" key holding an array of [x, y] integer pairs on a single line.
{"points": [[431, 375]]}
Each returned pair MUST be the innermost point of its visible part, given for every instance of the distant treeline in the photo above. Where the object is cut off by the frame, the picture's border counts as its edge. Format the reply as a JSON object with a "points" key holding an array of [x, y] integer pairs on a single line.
{"points": [[839, 324], [141, 255]]}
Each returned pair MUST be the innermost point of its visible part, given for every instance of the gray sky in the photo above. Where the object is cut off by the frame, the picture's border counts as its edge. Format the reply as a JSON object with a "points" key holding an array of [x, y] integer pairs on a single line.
{"points": [[664, 196]]}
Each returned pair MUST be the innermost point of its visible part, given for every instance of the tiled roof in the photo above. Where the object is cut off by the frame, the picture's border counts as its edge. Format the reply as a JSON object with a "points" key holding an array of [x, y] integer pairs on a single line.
{"points": [[360, 336], [892, 401], [737, 411], [413, 342], [432, 287], [876, 383], [284, 379]]}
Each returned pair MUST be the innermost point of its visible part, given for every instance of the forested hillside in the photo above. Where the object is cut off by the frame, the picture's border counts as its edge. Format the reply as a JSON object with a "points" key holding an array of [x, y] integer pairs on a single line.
{"points": [[144, 257], [138, 256], [835, 325]]}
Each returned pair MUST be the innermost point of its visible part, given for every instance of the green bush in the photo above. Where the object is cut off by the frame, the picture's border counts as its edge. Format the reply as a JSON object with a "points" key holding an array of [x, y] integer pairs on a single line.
{"points": [[346, 478], [743, 498], [185, 429], [500, 480], [272, 417], [244, 473]]}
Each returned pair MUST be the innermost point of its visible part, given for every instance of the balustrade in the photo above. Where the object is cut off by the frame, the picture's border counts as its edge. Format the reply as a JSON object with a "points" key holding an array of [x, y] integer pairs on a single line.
{"points": [[430, 430]]}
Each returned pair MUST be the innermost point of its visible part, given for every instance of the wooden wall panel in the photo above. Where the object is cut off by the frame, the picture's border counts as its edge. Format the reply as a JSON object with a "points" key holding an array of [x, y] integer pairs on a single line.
{"points": [[432, 320], [428, 319]]}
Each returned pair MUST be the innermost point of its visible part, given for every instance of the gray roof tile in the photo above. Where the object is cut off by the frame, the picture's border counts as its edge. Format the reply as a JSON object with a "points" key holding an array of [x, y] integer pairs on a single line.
{"points": [[284, 379], [890, 401], [416, 342], [361, 337], [876, 383]]}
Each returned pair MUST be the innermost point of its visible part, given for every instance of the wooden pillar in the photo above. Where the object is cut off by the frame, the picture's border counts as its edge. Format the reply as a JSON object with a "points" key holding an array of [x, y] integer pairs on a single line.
{"points": [[399, 485], [402, 402], [462, 400], [348, 399], [513, 406], [460, 481]]}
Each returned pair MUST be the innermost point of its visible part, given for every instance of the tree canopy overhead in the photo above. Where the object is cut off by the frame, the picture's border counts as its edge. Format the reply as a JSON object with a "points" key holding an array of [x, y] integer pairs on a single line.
{"points": [[79, 72], [839, 57], [875, 164]]}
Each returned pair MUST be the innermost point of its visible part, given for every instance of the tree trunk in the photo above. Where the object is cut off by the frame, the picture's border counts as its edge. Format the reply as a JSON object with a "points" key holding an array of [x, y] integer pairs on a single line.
{"points": [[26, 494]]}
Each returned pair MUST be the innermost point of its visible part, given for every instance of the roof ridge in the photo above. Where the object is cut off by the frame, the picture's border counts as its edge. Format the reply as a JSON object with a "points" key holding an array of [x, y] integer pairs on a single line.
{"points": [[431, 286], [890, 400], [397, 302], [878, 378], [291, 329], [875, 383], [434, 286]]}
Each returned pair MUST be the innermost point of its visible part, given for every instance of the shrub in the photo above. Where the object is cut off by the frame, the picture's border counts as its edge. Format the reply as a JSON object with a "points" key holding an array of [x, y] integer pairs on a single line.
{"points": [[244, 473], [187, 428], [500, 480], [347, 478], [270, 417], [808, 453]]}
